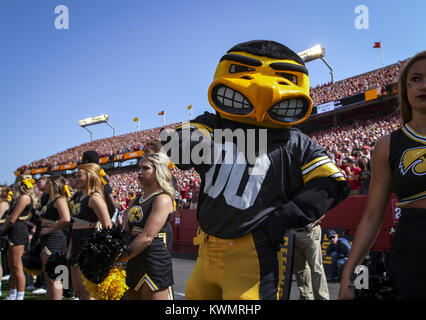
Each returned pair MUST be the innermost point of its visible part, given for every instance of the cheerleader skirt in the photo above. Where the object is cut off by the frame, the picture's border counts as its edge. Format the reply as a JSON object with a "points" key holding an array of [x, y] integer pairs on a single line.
{"points": [[407, 261], [152, 266]]}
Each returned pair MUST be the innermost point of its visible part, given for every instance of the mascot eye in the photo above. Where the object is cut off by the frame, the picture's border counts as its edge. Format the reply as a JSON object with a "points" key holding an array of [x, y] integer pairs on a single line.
{"points": [[235, 68], [288, 76]]}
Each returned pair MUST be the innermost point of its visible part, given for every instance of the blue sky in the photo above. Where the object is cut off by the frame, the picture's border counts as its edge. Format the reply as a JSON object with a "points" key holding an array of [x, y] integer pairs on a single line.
{"points": [[134, 58]]}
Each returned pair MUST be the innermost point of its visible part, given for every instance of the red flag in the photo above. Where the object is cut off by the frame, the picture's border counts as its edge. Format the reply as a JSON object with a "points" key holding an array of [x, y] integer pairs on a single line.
{"points": [[161, 113], [377, 45]]}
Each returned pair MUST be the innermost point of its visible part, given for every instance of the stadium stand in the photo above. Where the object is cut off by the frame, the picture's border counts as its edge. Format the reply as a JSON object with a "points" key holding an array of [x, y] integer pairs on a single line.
{"points": [[379, 78]]}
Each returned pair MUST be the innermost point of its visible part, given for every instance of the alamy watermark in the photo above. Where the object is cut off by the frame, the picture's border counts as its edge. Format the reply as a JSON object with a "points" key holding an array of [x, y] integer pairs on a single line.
{"points": [[362, 19], [62, 20], [361, 277], [62, 281], [224, 146], [229, 154]]}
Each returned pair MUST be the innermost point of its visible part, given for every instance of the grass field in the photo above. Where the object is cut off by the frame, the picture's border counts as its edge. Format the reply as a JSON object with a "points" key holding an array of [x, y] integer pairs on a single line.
{"points": [[28, 294]]}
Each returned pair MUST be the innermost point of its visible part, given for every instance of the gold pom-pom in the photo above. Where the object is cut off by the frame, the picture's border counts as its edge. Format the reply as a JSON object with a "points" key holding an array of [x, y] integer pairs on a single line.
{"points": [[112, 288]]}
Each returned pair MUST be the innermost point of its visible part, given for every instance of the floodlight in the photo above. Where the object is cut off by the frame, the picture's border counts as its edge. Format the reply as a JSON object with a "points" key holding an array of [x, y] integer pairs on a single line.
{"points": [[316, 52], [90, 121]]}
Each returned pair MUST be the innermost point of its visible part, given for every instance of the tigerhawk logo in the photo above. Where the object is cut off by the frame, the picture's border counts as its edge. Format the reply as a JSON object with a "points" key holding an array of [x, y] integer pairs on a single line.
{"points": [[75, 208], [135, 214], [414, 159]]}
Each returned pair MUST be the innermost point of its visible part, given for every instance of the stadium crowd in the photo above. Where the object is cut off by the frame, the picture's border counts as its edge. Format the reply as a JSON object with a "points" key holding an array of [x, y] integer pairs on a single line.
{"points": [[347, 145], [350, 145], [375, 79], [125, 186], [107, 147], [121, 144]]}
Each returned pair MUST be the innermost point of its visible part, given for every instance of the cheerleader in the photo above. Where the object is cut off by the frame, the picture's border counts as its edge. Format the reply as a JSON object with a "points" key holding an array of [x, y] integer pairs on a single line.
{"points": [[42, 189], [92, 156], [398, 165], [54, 218], [149, 267], [88, 208], [5, 198], [154, 146], [15, 226]]}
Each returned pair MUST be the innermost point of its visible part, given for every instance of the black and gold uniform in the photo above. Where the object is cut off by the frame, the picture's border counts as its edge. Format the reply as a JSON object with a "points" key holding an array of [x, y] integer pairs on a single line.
{"points": [[233, 202], [152, 266], [53, 242], [35, 219], [408, 165], [91, 156], [68, 230], [259, 176], [407, 264], [41, 203], [2, 221], [80, 212], [290, 186], [5, 214], [18, 232]]}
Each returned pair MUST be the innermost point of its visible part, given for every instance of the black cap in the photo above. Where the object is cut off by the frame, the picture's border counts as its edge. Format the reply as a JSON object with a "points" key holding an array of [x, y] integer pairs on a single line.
{"points": [[90, 156], [331, 234], [268, 48]]}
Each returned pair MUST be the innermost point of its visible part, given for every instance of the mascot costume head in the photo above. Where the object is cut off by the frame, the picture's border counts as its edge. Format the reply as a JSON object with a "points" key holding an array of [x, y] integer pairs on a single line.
{"points": [[261, 83]]}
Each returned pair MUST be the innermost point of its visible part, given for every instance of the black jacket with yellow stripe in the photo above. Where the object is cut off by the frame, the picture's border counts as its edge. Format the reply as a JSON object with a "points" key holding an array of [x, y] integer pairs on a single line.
{"points": [[291, 185]]}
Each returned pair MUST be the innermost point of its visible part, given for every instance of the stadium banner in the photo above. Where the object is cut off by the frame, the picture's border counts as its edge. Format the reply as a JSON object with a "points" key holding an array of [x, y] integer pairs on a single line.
{"points": [[103, 160], [38, 170], [132, 155], [358, 98], [67, 166], [371, 94], [325, 107]]}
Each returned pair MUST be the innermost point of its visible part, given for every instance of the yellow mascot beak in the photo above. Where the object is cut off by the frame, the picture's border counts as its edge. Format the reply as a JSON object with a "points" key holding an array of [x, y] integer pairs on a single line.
{"points": [[259, 90]]}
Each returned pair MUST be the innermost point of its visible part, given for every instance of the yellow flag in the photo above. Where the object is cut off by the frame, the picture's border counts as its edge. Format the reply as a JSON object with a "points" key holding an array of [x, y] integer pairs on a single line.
{"points": [[189, 107], [136, 119]]}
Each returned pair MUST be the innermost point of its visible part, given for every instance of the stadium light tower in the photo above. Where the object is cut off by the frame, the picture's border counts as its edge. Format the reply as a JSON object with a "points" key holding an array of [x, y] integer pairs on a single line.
{"points": [[103, 118], [316, 52]]}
